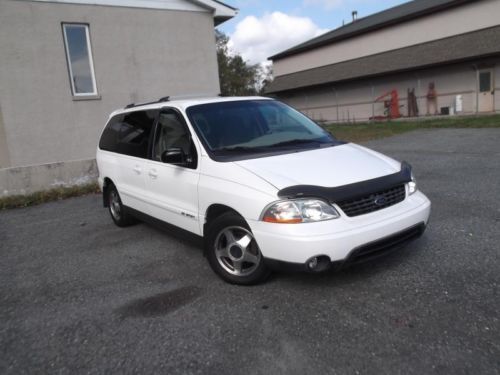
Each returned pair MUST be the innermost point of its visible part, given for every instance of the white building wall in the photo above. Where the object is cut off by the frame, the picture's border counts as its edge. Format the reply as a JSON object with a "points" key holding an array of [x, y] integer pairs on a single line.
{"points": [[459, 20], [139, 55]]}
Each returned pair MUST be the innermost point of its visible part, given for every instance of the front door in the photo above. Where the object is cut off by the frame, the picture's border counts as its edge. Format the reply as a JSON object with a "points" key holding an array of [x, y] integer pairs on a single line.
{"points": [[485, 100], [172, 185]]}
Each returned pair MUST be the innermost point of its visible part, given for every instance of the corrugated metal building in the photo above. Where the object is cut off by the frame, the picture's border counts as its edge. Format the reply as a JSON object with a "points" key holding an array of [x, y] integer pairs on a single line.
{"points": [[445, 52]]}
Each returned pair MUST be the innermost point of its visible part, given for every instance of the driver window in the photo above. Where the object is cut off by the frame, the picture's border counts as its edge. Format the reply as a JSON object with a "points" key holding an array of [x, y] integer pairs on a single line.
{"points": [[171, 133]]}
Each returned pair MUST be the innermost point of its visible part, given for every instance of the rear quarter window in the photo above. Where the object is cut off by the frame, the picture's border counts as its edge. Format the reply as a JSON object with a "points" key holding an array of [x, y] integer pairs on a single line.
{"points": [[129, 133], [109, 137]]}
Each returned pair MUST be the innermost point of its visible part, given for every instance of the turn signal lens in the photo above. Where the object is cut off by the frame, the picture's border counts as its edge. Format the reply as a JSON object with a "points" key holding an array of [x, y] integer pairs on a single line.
{"points": [[299, 211], [284, 213], [412, 185]]}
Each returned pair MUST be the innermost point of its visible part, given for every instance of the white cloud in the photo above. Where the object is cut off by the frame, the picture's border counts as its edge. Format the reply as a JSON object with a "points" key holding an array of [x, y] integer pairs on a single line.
{"points": [[258, 38], [326, 4]]}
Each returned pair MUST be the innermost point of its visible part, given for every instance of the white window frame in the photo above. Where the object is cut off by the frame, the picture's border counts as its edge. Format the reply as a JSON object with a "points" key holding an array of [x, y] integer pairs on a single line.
{"points": [[91, 60]]}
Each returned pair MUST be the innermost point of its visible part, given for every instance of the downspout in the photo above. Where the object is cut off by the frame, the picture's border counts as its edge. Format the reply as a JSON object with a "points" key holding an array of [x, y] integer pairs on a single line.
{"points": [[373, 102], [307, 105], [476, 70], [336, 103], [419, 86], [4, 151]]}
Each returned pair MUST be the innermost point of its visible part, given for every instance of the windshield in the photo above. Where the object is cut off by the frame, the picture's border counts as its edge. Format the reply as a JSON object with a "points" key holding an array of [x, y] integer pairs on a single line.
{"points": [[255, 126]]}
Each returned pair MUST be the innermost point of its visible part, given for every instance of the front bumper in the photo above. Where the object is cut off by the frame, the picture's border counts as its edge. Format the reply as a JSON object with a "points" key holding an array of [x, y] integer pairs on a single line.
{"points": [[339, 239], [361, 254]]}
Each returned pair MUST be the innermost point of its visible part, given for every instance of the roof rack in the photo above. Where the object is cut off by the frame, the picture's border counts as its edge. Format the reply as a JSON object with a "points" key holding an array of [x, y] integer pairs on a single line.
{"points": [[132, 105], [167, 98]]}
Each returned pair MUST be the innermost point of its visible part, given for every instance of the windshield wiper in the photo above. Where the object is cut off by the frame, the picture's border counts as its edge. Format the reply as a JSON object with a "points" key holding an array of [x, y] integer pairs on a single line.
{"points": [[237, 148], [294, 142]]}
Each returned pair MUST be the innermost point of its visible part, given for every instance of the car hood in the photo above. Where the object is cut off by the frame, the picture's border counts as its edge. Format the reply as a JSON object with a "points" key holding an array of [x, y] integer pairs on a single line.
{"points": [[328, 167]]}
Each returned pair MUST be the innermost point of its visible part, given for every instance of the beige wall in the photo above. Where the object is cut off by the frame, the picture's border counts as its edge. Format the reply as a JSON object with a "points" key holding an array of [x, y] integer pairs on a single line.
{"points": [[355, 101], [139, 55], [466, 18]]}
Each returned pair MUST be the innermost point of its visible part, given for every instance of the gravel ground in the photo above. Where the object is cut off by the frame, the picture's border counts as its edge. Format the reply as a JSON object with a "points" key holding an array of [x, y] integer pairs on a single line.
{"points": [[79, 295]]}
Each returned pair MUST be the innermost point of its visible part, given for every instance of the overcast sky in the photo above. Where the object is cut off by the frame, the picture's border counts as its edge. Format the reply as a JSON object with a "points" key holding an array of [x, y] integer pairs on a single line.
{"points": [[265, 27]]}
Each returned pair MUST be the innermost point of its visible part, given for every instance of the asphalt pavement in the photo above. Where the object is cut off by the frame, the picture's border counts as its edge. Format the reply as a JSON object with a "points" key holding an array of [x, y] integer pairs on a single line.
{"points": [[80, 295]]}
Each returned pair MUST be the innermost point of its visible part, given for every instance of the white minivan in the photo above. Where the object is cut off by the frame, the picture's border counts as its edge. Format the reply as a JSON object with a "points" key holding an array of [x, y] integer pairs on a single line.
{"points": [[265, 186]]}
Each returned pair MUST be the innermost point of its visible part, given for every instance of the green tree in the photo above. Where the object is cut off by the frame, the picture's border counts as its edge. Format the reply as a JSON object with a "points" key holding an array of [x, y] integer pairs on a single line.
{"points": [[237, 78], [266, 78]]}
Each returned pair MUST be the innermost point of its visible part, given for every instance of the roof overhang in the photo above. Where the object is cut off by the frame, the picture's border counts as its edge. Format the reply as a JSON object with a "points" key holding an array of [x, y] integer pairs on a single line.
{"points": [[221, 12], [460, 48]]}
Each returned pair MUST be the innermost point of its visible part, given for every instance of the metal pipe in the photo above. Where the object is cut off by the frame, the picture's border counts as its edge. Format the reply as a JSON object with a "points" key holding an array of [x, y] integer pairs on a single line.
{"points": [[373, 102], [336, 102], [476, 70]]}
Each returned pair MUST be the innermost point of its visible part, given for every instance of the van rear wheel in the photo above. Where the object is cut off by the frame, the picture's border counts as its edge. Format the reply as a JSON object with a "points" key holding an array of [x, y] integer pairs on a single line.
{"points": [[233, 252], [117, 211]]}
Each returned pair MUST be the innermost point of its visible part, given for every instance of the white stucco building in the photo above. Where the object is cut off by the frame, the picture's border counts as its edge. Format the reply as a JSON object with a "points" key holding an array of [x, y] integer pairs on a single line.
{"points": [[66, 64]]}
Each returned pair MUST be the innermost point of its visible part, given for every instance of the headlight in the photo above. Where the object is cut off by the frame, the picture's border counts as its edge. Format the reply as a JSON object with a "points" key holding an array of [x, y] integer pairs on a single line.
{"points": [[412, 185], [299, 211]]}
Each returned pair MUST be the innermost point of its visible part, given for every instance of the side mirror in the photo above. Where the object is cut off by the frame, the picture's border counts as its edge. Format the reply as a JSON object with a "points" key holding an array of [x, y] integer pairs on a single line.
{"points": [[174, 156]]}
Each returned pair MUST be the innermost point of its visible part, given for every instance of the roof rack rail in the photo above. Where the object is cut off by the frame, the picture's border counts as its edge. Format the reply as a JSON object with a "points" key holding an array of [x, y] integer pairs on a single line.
{"points": [[194, 96], [132, 105], [167, 98]]}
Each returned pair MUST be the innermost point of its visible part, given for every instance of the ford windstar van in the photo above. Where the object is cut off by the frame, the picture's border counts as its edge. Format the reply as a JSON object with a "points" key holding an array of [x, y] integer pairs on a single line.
{"points": [[264, 185]]}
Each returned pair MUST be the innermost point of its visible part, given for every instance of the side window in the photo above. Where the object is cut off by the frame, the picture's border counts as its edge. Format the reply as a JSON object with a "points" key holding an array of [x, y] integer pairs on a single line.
{"points": [[135, 131], [172, 133], [110, 135]]}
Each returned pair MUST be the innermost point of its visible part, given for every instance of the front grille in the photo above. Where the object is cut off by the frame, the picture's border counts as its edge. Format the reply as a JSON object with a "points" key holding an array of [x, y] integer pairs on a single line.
{"points": [[373, 202], [385, 245]]}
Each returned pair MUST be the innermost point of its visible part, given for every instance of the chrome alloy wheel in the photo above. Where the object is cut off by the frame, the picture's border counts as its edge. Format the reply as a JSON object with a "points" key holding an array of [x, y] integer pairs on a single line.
{"points": [[114, 204], [236, 251]]}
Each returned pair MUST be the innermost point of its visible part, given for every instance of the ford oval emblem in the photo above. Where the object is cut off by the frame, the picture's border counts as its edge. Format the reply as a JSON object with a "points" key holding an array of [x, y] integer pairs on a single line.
{"points": [[380, 200]]}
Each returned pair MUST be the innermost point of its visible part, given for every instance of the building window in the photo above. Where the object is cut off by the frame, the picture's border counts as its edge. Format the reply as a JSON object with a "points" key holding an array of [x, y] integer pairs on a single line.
{"points": [[79, 58], [484, 81]]}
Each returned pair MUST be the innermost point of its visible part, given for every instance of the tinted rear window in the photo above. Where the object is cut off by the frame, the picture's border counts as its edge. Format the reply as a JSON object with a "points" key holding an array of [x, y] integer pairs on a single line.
{"points": [[129, 133], [109, 138]]}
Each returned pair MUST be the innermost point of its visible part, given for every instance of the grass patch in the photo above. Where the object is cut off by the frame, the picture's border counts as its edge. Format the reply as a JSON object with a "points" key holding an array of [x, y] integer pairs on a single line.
{"points": [[17, 201], [365, 131]]}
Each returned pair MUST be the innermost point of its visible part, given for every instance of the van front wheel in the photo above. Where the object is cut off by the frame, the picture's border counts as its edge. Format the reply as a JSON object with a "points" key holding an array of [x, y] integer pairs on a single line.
{"points": [[232, 251]]}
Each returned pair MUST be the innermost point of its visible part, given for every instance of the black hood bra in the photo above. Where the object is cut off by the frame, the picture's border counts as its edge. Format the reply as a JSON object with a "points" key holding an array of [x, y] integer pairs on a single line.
{"points": [[350, 191]]}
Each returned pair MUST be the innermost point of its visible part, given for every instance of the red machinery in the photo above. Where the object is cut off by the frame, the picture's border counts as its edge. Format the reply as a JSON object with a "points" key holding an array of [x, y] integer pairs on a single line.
{"points": [[391, 105]]}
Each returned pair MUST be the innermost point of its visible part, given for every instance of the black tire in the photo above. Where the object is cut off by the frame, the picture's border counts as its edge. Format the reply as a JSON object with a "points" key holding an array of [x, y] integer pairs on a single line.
{"points": [[230, 259], [116, 209]]}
